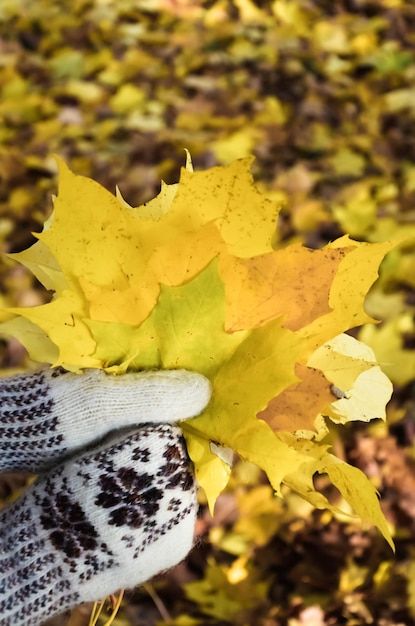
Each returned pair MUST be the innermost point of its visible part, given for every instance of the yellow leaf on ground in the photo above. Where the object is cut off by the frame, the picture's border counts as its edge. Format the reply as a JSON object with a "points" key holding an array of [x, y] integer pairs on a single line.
{"points": [[387, 343], [158, 206]]}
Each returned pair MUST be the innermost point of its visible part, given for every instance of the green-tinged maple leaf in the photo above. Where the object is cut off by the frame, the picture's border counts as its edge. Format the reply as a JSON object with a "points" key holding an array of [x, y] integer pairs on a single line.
{"points": [[190, 280], [186, 330], [189, 325]]}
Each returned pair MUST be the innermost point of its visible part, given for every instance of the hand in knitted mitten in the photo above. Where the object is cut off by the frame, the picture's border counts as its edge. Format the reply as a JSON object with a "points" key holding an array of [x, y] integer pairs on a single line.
{"points": [[108, 520], [46, 416]]}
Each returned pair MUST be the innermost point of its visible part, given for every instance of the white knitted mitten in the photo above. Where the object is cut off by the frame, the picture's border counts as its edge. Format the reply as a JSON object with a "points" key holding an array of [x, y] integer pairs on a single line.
{"points": [[46, 416], [110, 518]]}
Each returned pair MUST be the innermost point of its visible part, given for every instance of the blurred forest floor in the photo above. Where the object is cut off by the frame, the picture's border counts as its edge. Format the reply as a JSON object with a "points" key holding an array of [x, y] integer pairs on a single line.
{"points": [[322, 92]]}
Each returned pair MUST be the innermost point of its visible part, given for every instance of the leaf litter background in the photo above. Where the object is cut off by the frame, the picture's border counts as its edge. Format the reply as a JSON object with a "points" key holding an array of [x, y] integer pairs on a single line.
{"points": [[322, 94]]}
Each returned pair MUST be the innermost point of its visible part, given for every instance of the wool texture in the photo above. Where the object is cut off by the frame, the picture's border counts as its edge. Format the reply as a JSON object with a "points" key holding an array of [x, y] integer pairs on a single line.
{"points": [[49, 415], [117, 503], [108, 520]]}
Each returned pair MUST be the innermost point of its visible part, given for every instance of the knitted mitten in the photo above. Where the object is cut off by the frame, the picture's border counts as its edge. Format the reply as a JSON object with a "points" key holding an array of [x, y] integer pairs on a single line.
{"points": [[45, 417], [107, 520]]}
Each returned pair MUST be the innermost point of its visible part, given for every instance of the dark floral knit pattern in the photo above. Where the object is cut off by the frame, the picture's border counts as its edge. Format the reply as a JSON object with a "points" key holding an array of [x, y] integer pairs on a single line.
{"points": [[117, 501], [109, 519]]}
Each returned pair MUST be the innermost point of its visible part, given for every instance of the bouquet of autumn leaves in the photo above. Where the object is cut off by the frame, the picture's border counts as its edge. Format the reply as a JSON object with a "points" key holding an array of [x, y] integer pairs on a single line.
{"points": [[193, 279]]}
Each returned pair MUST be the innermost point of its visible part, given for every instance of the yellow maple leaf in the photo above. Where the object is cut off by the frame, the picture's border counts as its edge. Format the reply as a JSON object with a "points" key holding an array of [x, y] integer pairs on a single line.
{"points": [[352, 483], [261, 286], [191, 280], [356, 274], [361, 387], [297, 407]]}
